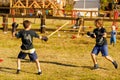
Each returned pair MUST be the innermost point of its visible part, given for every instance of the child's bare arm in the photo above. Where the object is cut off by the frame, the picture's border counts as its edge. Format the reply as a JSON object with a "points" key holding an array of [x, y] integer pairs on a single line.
{"points": [[105, 34]]}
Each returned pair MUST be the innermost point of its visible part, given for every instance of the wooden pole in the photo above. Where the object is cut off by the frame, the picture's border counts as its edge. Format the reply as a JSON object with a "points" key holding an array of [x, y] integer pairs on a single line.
{"points": [[27, 3], [5, 23], [25, 10], [11, 3], [81, 25], [58, 29], [10, 6], [43, 18], [43, 2]]}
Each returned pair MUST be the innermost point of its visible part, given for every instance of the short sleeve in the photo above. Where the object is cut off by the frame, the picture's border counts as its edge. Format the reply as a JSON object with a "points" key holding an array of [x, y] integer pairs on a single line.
{"points": [[36, 35], [94, 30], [103, 30], [18, 34]]}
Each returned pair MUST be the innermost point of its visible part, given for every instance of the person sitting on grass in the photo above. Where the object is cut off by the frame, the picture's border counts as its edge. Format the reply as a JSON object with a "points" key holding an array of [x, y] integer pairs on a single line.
{"points": [[27, 47], [101, 44]]}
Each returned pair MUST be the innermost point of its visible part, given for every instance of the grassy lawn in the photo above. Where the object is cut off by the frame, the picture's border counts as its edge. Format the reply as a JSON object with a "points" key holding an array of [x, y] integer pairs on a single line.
{"points": [[61, 58]]}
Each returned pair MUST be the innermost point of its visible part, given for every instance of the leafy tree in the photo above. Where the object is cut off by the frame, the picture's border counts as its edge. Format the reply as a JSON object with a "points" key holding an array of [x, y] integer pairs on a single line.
{"points": [[69, 4], [104, 3]]}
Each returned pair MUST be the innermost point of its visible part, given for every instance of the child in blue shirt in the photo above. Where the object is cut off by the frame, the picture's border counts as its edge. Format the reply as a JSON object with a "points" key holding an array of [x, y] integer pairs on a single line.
{"points": [[113, 36]]}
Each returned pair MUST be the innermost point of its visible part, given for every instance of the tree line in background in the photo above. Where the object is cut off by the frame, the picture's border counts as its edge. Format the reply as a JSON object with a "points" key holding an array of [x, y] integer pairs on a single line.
{"points": [[69, 4], [109, 4]]}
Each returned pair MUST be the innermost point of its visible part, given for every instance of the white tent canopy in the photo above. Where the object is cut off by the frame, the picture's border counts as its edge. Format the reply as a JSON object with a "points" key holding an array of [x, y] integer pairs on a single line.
{"points": [[87, 5]]}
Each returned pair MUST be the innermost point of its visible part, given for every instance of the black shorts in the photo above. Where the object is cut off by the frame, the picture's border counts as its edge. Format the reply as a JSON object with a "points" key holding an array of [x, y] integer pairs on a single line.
{"points": [[32, 56]]}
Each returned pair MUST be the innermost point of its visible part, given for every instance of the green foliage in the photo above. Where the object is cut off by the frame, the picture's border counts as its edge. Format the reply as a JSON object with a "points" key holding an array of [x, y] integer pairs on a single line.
{"points": [[69, 4], [69, 7], [104, 1], [103, 4], [111, 1]]}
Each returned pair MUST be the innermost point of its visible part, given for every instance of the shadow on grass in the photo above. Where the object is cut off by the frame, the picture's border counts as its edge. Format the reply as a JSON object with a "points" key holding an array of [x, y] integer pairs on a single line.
{"points": [[58, 63], [22, 60], [12, 70], [7, 69], [91, 68], [50, 62]]}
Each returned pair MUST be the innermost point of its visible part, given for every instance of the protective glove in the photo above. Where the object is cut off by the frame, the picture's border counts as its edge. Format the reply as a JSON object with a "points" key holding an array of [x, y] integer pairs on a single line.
{"points": [[45, 38], [90, 34], [14, 26]]}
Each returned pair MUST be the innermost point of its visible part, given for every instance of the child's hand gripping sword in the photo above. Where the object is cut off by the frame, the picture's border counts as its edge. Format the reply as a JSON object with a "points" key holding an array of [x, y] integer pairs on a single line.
{"points": [[90, 34], [45, 38]]}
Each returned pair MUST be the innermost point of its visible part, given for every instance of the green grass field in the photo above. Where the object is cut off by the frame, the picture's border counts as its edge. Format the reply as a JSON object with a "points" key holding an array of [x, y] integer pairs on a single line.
{"points": [[61, 58]]}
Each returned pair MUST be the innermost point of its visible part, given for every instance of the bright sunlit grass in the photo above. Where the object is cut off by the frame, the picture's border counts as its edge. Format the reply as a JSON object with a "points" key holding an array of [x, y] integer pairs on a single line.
{"points": [[61, 58]]}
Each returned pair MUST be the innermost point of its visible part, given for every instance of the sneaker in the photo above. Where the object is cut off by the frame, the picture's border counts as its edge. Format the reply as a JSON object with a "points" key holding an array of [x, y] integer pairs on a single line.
{"points": [[18, 71], [96, 66], [39, 73], [115, 64]]}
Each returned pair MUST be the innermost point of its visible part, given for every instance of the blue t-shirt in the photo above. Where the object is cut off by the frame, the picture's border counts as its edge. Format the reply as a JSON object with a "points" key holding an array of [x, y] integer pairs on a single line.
{"points": [[113, 33]]}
